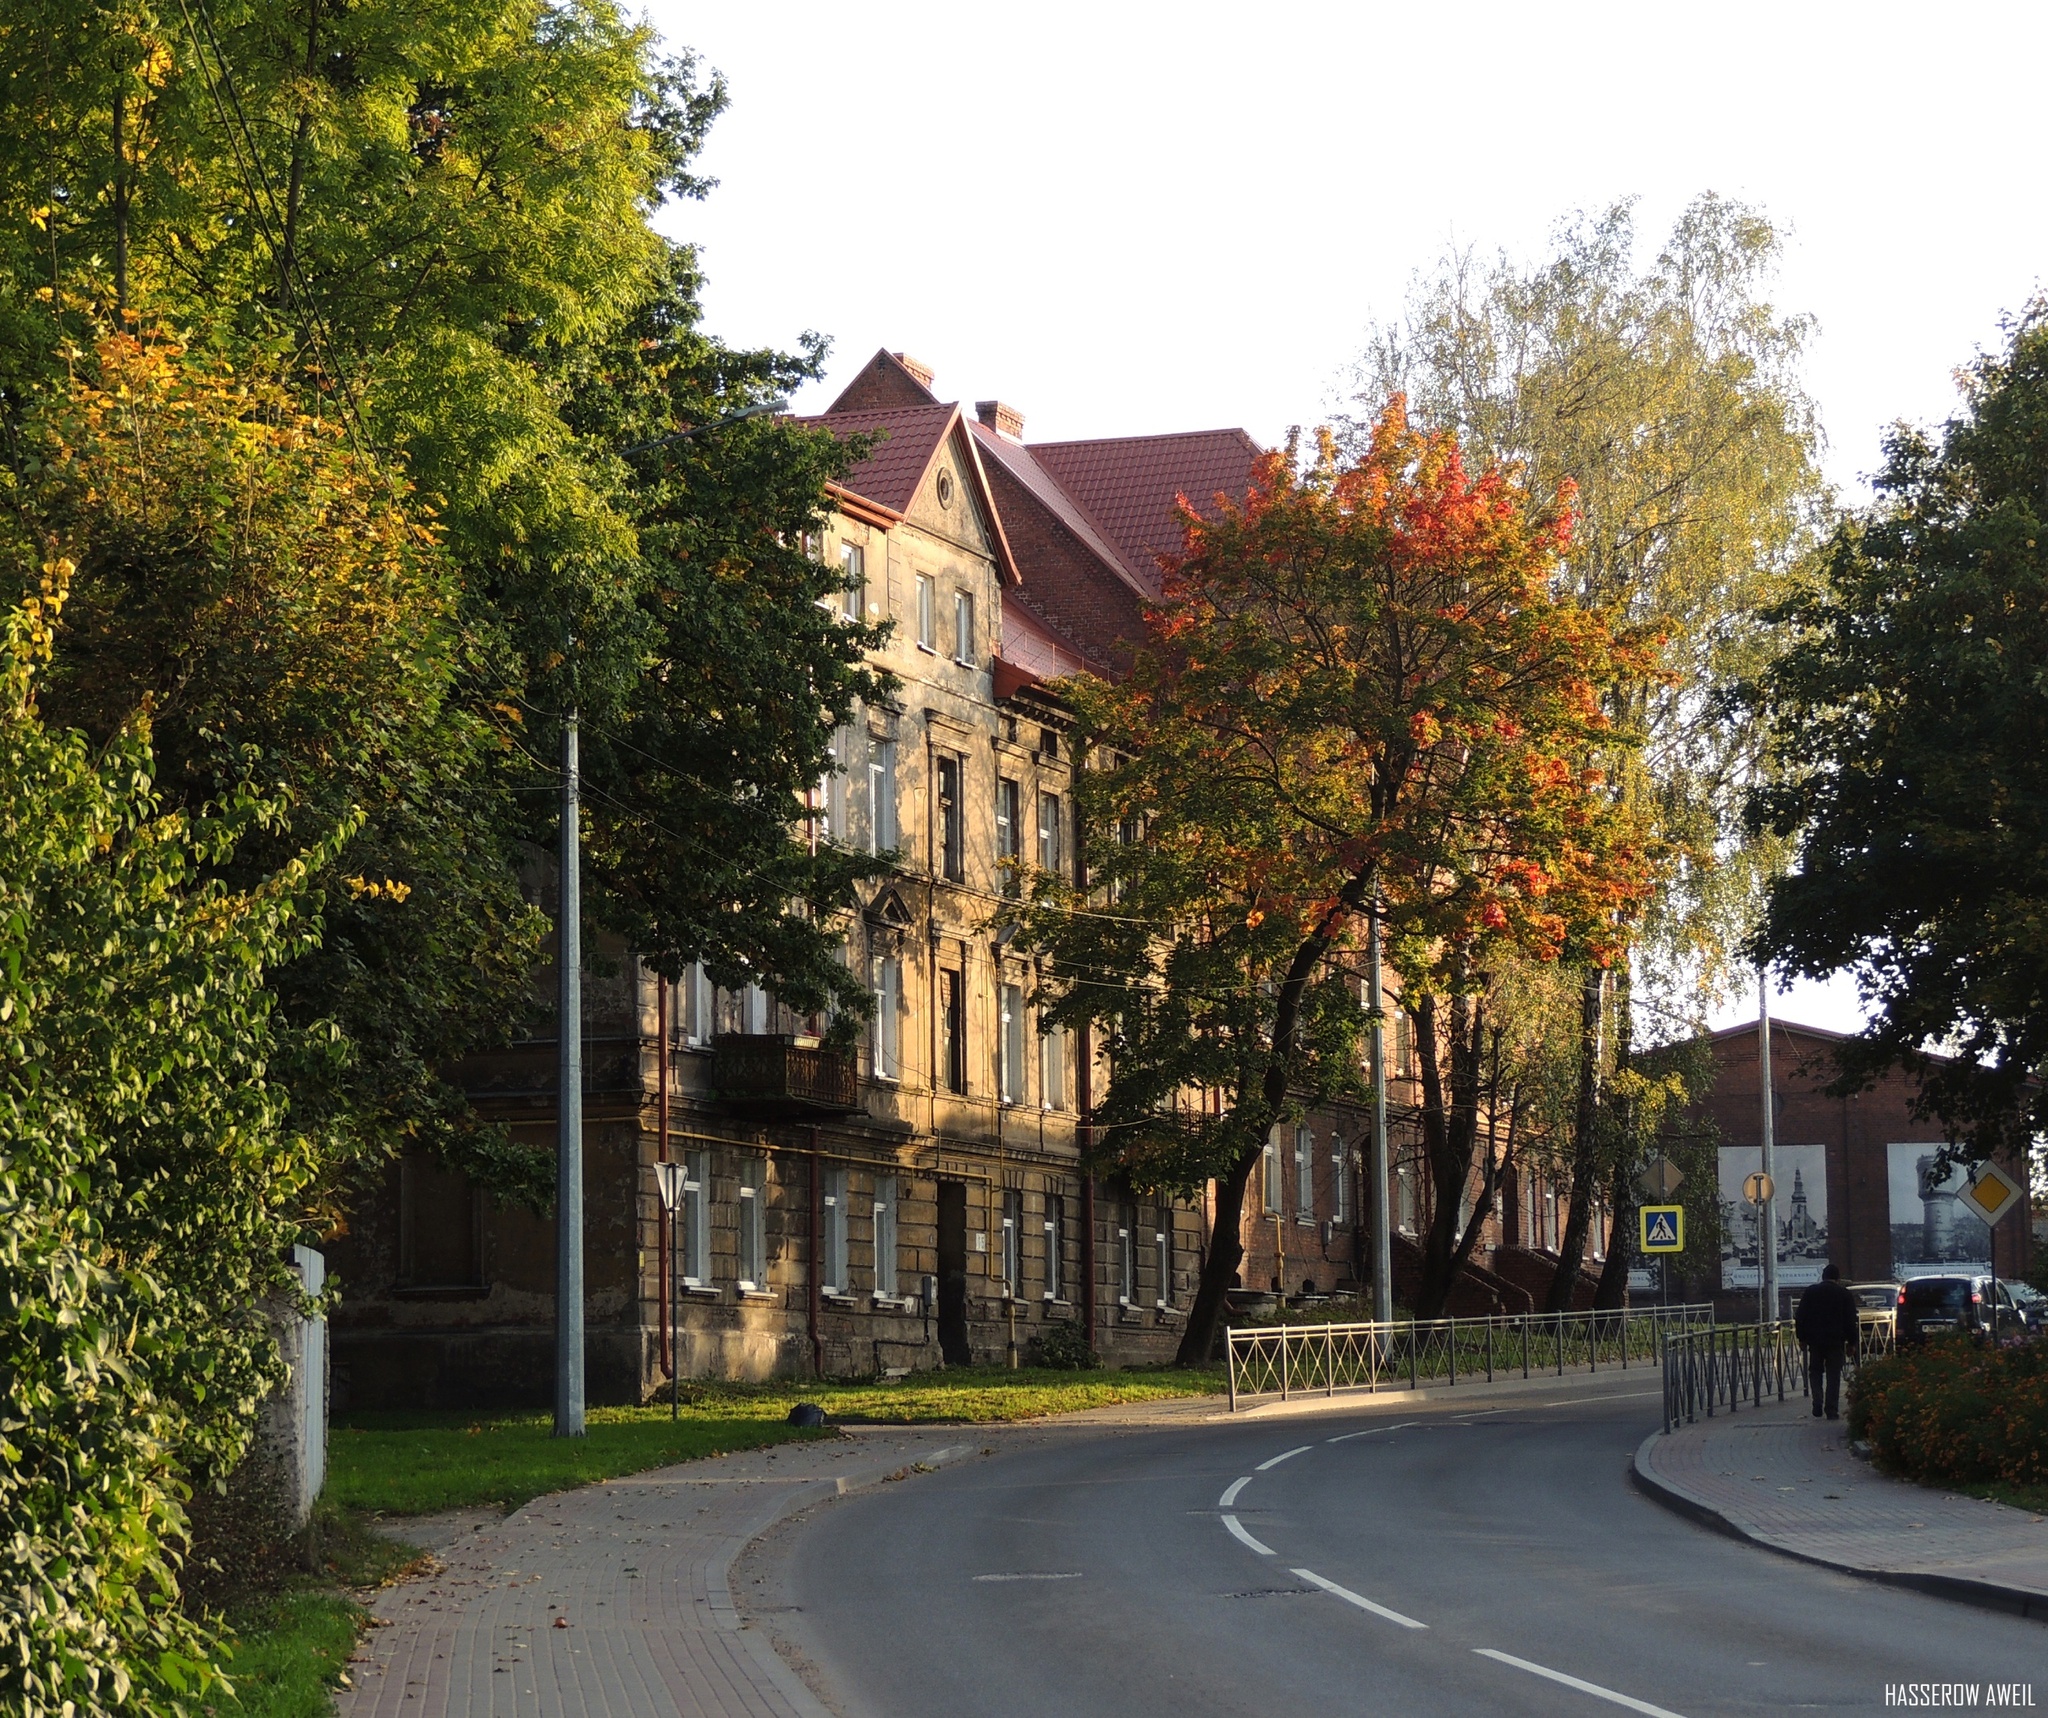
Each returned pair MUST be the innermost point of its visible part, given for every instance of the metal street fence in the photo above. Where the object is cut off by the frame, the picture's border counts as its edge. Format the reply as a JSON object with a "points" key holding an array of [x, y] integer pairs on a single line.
{"points": [[1716, 1370], [1321, 1359]]}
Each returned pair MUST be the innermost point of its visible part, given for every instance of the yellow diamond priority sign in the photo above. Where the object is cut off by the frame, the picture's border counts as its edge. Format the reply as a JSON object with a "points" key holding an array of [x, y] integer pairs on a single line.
{"points": [[1662, 1228], [1991, 1193]]}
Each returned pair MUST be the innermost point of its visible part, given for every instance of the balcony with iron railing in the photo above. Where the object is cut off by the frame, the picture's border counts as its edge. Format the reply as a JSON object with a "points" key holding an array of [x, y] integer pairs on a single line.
{"points": [[778, 1076]]}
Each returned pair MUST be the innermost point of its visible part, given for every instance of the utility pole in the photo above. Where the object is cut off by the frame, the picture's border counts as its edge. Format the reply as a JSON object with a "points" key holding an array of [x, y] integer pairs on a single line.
{"points": [[569, 1108], [1767, 1242], [1382, 1228]]}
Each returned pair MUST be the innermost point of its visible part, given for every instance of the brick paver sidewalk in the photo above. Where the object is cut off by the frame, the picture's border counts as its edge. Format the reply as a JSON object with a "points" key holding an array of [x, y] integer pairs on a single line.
{"points": [[611, 1601], [1784, 1479]]}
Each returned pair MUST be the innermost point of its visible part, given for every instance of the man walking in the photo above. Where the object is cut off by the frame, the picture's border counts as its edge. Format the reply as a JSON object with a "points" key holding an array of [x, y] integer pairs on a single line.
{"points": [[1826, 1327]]}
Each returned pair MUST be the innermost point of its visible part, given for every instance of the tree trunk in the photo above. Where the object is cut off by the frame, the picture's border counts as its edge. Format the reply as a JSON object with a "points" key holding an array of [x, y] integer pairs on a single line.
{"points": [[1571, 1246], [1226, 1253], [1612, 1294], [1450, 1133], [121, 201]]}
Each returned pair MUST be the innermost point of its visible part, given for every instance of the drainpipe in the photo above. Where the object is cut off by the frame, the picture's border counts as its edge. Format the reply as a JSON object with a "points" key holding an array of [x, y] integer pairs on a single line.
{"points": [[668, 1354], [817, 1238]]}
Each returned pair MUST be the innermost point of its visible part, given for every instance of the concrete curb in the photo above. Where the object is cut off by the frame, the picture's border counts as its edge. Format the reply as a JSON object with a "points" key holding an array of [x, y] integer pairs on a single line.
{"points": [[1986, 1595], [725, 1607]]}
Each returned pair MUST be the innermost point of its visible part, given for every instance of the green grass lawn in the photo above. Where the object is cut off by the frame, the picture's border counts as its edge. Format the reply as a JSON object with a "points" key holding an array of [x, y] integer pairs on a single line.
{"points": [[418, 1463]]}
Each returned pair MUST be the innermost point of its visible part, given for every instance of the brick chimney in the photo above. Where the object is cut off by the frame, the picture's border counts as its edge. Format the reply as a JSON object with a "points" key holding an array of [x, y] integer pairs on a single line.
{"points": [[923, 372], [1004, 420]]}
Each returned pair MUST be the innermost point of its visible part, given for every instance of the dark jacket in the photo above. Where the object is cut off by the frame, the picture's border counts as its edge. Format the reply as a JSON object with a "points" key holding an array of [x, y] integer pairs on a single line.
{"points": [[1826, 1316]]}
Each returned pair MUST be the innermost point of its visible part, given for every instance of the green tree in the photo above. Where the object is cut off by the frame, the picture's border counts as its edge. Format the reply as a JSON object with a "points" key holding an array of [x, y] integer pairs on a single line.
{"points": [[1669, 398], [150, 1186], [1909, 730], [432, 223], [1359, 687]]}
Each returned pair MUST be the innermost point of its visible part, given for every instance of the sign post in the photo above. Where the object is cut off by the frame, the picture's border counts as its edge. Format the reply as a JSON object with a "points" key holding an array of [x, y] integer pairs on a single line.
{"points": [[1757, 1188], [669, 1178], [1990, 1194], [1658, 1182]]}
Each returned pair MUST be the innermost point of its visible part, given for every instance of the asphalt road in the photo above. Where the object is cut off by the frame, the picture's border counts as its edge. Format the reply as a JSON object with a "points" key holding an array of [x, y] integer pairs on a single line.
{"points": [[1429, 1560]]}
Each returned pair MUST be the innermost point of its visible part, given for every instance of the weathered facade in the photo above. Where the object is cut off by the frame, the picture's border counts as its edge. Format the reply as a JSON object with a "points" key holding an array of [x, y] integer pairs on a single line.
{"points": [[922, 1201]]}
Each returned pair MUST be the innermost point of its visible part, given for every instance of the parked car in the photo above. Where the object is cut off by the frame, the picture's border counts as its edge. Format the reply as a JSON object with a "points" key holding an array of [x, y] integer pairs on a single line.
{"points": [[1877, 1315], [1934, 1306], [2032, 1305]]}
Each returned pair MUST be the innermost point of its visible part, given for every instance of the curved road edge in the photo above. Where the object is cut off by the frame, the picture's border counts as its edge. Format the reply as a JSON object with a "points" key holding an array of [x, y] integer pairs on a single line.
{"points": [[1987, 1593]]}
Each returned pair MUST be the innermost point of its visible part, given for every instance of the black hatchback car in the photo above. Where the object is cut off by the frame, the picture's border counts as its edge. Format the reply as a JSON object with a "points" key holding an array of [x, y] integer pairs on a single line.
{"points": [[1938, 1306]]}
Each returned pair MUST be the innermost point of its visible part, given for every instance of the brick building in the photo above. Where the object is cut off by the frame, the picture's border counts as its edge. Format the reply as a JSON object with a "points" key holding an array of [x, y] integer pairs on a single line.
{"points": [[1856, 1182]]}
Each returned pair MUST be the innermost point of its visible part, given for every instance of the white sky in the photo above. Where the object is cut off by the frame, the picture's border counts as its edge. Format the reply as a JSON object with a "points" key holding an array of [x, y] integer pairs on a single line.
{"points": [[1125, 218]]}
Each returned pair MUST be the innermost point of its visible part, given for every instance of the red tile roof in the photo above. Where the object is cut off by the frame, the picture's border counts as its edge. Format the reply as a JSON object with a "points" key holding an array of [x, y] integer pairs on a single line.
{"points": [[1127, 486], [1018, 461], [908, 437]]}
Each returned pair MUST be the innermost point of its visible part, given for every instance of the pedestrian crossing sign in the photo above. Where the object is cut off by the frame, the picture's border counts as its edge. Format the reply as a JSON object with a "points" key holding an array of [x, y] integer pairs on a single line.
{"points": [[1663, 1228]]}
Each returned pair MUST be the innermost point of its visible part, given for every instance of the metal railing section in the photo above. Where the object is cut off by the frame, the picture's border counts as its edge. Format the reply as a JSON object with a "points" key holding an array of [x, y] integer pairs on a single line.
{"points": [[1718, 1370], [1288, 1360]]}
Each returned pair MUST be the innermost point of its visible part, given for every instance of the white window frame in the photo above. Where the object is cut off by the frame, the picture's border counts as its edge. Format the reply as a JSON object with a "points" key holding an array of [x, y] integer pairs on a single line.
{"points": [[1055, 1216], [881, 794], [1050, 818], [832, 786], [1052, 1068], [1009, 837], [1010, 1043], [1304, 1174], [1340, 1181], [886, 1038], [885, 1237], [1269, 1182], [853, 568], [1127, 1261], [963, 628], [694, 1230], [752, 1276], [1162, 1244], [832, 1239], [926, 622], [1013, 1243]]}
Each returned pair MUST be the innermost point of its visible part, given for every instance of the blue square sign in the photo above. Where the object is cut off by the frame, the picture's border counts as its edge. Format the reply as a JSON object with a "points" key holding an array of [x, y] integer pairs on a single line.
{"points": [[1663, 1229]]}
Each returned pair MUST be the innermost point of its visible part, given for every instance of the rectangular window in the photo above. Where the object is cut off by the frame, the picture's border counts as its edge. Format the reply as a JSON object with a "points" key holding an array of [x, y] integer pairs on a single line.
{"points": [[694, 1234], [1127, 1260], [1010, 1043], [885, 1237], [832, 823], [1049, 832], [1304, 1175], [1162, 1244], [1052, 1069], [953, 1031], [952, 855], [753, 1224], [963, 628], [1009, 832], [1054, 1242], [1270, 1178], [1340, 1181], [1404, 1208], [694, 1005], [832, 1267], [885, 1036], [1013, 1242], [882, 795], [853, 567], [925, 620]]}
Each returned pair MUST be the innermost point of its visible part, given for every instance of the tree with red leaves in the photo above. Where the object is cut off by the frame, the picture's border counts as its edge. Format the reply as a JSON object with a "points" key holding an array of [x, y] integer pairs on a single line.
{"points": [[1362, 684]]}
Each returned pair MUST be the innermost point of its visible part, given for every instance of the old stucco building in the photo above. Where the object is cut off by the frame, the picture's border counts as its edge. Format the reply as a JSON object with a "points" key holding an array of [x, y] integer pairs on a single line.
{"points": [[925, 1199]]}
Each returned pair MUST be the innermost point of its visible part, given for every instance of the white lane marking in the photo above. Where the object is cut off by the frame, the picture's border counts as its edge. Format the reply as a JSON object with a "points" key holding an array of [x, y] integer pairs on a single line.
{"points": [[1371, 1431], [1351, 1598], [1593, 1688], [1604, 1396], [1237, 1532], [1074, 1576], [1230, 1496], [1277, 1460]]}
